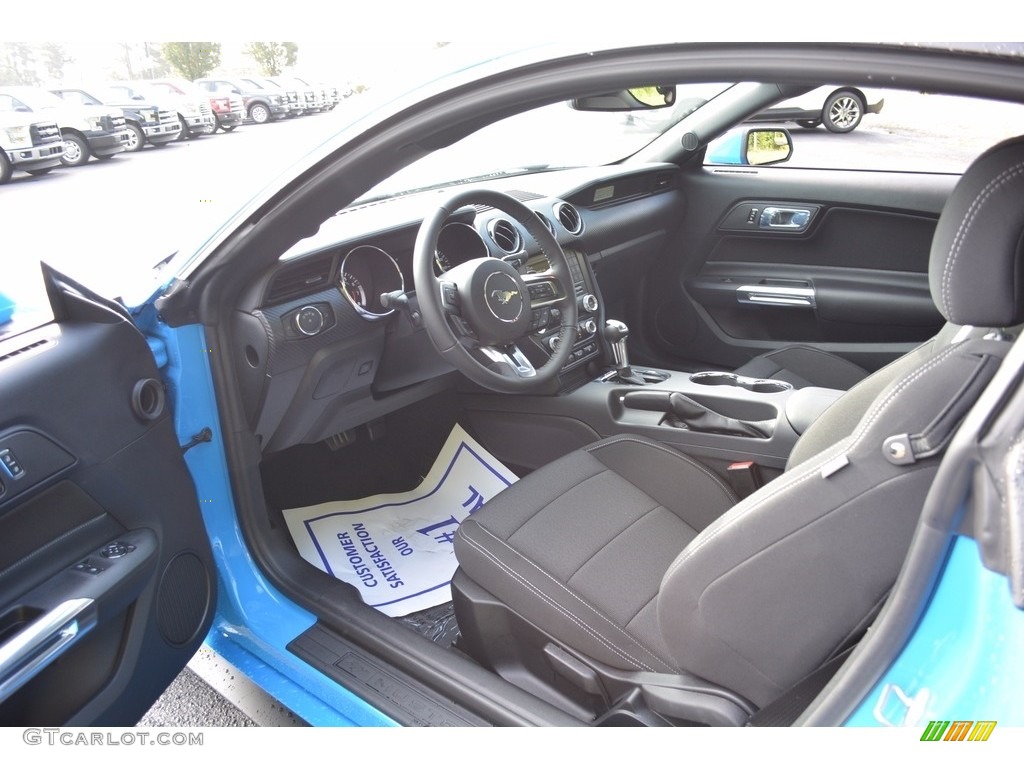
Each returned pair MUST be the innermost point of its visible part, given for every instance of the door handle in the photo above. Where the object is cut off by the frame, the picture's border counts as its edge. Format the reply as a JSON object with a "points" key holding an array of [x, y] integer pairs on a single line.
{"points": [[793, 219], [27, 653], [776, 296]]}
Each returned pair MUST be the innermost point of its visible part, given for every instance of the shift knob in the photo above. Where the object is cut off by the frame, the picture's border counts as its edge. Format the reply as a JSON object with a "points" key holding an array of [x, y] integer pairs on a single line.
{"points": [[615, 331]]}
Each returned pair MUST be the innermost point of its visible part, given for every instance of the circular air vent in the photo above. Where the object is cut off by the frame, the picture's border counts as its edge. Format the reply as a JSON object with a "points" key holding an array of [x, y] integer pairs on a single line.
{"points": [[569, 218], [547, 222], [505, 235]]}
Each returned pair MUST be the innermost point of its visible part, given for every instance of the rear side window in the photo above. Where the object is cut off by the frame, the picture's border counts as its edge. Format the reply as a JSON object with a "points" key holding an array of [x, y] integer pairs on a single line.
{"points": [[837, 127]]}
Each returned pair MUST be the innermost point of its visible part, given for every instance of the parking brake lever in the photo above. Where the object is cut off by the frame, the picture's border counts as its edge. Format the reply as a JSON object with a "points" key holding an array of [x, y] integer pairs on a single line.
{"points": [[685, 413]]}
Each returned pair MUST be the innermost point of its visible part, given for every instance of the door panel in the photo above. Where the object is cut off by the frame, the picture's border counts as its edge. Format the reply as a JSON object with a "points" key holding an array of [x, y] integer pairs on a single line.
{"points": [[772, 256], [107, 583]]}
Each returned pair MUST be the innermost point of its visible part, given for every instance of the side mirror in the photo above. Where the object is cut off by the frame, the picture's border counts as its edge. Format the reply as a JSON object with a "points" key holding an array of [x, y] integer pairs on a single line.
{"points": [[751, 146]]}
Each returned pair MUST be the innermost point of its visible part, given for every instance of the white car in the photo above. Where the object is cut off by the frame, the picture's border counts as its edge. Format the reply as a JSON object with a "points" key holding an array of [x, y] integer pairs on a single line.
{"points": [[839, 108]]}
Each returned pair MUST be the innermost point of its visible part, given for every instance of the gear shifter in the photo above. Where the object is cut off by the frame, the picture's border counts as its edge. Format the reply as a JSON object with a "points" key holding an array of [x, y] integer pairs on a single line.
{"points": [[615, 333]]}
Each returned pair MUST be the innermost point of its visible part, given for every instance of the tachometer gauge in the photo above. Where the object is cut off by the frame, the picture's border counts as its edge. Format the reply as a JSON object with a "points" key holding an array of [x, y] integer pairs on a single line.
{"points": [[354, 290], [457, 243]]}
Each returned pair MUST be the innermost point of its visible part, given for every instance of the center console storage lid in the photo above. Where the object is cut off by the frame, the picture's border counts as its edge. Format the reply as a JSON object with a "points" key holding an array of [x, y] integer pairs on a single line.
{"points": [[805, 405]]}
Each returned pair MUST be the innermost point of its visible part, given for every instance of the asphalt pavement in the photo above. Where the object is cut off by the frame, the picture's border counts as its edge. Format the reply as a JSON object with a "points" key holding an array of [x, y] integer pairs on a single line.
{"points": [[190, 703], [211, 693]]}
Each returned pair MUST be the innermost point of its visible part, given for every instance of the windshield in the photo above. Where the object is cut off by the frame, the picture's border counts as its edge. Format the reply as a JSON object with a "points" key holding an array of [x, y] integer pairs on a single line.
{"points": [[35, 99], [547, 138], [108, 223]]}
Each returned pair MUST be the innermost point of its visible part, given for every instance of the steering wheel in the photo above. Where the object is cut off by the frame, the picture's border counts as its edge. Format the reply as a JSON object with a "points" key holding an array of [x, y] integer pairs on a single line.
{"points": [[476, 313]]}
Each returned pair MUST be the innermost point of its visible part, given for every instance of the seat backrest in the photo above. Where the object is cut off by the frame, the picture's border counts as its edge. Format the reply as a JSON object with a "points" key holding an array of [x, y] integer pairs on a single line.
{"points": [[766, 593]]}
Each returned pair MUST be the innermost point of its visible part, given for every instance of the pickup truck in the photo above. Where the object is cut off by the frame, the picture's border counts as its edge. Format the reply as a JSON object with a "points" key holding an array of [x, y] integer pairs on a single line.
{"points": [[146, 122], [228, 109], [28, 143], [311, 98], [261, 105], [292, 98], [87, 131], [193, 110]]}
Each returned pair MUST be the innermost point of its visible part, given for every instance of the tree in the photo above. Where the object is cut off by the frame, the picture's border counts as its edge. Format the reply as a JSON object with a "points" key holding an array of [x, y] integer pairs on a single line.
{"points": [[17, 64], [192, 60], [54, 57], [273, 58]]}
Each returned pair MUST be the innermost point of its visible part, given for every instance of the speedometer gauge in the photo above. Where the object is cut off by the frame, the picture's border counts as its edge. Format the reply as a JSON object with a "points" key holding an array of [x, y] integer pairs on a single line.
{"points": [[366, 274], [353, 289]]}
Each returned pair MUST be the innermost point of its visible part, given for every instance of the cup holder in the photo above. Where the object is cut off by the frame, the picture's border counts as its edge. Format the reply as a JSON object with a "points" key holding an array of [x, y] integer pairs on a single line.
{"points": [[719, 379]]}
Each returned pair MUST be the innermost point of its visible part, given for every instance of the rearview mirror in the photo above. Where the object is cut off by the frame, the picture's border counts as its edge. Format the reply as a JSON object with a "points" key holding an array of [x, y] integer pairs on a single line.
{"points": [[628, 100], [751, 146]]}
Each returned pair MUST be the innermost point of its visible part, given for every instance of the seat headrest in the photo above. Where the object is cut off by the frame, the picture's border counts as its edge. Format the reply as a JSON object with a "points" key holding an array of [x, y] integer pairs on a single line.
{"points": [[976, 269]]}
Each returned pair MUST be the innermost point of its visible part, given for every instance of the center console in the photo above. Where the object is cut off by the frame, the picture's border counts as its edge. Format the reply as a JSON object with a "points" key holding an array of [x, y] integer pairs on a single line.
{"points": [[719, 417], [586, 346]]}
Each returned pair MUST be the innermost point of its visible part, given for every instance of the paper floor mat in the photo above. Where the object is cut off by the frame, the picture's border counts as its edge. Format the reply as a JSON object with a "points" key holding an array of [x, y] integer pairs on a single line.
{"points": [[397, 548]]}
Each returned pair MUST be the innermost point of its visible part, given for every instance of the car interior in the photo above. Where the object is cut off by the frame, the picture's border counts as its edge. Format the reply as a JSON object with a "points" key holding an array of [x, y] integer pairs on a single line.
{"points": [[713, 402], [726, 392]]}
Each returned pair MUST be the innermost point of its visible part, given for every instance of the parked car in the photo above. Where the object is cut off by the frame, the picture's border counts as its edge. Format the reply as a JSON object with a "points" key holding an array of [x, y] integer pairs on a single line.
{"points": [[87, 131], [292, 97], [613, 433], [261, 105], [310, 98], [145, 122], [840, 108], [335, 95], [30, 144], [228, 110], [193, 110], [225, 110]]}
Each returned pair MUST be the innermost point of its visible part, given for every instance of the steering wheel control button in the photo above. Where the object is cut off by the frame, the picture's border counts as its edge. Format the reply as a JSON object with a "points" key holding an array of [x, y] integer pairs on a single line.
{"points": [[309, 321], [503, 297], [541, 291], [450, 296]]}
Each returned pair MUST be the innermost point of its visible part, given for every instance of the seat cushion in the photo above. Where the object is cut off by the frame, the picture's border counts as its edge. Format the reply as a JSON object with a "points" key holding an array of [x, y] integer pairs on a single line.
{"points": [[804, 366], [579, 549]]}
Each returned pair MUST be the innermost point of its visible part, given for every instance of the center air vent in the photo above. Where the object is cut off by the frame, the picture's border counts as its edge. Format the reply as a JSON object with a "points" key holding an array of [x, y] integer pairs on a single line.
{"points": [[300, 280], [505, 235], [547, 222], [569, 218]]}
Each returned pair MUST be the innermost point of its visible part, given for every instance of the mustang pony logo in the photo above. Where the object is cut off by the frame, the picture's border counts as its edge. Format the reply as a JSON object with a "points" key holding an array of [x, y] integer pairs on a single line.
{"points": [[503, 297]]}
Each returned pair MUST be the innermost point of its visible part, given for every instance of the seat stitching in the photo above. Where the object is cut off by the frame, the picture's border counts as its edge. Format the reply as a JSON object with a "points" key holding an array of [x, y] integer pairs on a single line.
{"points": [[587, 479], [730, 496], [965, 223], [616, 536], [562, 609], [845, 446]]}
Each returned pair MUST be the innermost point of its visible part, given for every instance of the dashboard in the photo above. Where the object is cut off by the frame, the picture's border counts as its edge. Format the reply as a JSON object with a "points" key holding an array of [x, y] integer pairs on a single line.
{"points": [[330, 338]]}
